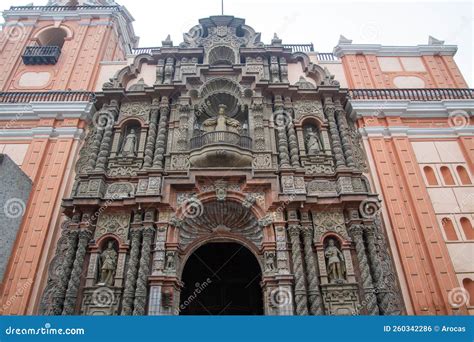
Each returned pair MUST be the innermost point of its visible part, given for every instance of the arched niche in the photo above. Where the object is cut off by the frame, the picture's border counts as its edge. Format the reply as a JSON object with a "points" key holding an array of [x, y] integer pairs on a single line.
{"points": [[53, 36]]}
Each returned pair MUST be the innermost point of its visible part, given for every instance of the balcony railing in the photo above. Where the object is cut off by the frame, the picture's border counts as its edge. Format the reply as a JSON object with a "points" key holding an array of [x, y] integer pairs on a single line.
{"points": [[47, 96], [62, 8], [424, 94], [293, 47], [221, 137], [41, 55], [326, 56]]}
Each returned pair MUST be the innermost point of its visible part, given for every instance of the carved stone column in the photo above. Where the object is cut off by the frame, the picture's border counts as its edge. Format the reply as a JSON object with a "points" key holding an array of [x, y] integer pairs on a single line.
{"points": [[160, 146], [143, 272], [345, 134], [329, 110], [280, 119], [132, 271], [184, 111], [95, 147], [85, 236], [150, 141], [314, 293], [301, 299], [370, 301], [292, 140]]}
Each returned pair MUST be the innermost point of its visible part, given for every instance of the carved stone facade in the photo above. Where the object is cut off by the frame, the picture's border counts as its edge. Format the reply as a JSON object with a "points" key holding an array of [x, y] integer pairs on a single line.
{"points": [[222, 148]]}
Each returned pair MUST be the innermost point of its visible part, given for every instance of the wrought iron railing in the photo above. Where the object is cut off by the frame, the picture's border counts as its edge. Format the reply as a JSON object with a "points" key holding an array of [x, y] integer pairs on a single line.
{"points": [[421, 94], [46, 96], [61, 8], [221, 137], [41, 55]]}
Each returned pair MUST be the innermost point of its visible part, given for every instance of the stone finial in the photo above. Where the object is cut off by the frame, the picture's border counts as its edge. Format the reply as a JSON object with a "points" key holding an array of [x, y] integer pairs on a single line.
{"points": [[276, 41], [344, 40], [167, 42], [433, 41]]}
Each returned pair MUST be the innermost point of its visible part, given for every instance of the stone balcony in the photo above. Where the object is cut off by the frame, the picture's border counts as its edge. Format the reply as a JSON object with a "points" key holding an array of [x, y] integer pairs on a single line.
{"points": [[221, 149]]}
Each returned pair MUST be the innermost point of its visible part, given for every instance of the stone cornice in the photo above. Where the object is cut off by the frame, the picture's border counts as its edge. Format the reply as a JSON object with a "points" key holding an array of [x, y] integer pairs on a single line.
{"points": [[46, 110], [427, 133], [408, 109], [40, 132], [343, 49]]}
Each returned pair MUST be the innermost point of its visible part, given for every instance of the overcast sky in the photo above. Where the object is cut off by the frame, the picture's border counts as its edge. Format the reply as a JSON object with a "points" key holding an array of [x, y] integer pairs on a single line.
{"points": [[318, 22]]}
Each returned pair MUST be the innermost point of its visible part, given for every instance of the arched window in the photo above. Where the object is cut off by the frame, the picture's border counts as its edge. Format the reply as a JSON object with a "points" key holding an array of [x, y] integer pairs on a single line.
{"points": [[430, 176], [468, 284], [447, 176], [463, 175], [449, 230], [52, 37], [467, 228]]}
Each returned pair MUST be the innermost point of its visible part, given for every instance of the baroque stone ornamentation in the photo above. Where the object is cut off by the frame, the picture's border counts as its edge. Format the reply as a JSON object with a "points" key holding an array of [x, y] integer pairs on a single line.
{"points": [[112, 222]]}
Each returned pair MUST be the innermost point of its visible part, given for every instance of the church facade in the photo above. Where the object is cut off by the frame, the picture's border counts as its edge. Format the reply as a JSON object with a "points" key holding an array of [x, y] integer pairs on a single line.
{"points": [[222, 175]]}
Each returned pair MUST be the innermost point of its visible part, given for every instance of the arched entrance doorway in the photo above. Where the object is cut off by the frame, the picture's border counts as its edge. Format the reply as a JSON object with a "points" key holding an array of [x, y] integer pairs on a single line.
{"points": [[234, 286]]}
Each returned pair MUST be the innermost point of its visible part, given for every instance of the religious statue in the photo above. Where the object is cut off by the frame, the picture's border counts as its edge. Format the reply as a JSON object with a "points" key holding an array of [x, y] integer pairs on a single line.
{"points": [[129, 144], [108, 260], [169, 261], [313, 144], [335, 262]]}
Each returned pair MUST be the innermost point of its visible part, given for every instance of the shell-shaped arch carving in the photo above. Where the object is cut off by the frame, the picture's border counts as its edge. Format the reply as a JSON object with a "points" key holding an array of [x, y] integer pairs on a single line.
{"points": [[221, 91]]}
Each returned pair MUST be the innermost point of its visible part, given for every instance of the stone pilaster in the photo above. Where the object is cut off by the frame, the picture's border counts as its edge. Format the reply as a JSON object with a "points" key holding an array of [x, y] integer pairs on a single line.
{"points": [[329, 110], [143, 272], [314, 292], [85, 236], [150, 141], [301, 299], [132, 271], [95, 147], [160, 146], [292, 141], [370, 301], [345, 135]]}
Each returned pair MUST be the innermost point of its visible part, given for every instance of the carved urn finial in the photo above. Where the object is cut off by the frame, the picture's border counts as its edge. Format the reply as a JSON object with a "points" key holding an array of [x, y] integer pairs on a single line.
{"points": [[276, 41], [167, 42]]}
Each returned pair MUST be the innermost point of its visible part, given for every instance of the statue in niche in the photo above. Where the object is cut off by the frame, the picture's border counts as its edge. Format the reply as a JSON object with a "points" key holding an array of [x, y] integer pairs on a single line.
{"points": [[129, 144], [222, 123], [270, 262], [108, 264], [169, 265], [334, 262], [313, 143]]}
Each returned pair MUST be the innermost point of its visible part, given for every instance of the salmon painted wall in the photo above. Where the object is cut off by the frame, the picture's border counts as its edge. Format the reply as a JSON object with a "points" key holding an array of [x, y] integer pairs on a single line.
{"points": [[44, 147]]}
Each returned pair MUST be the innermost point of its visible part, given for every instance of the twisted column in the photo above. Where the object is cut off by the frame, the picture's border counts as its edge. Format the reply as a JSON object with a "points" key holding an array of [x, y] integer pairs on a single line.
{"points": [[314, 293], [293, 144], [283, 152], [376, 266], [150, 140], [336, 139], [301, 299], [85, 236], [132, 271], [143, 272], [95, 147], [370, 300], [104, 146], [161, 137], [66, 268], [345, 136]]}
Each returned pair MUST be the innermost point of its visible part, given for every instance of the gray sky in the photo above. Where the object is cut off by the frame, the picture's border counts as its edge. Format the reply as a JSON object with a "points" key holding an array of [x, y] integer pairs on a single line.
{"points": [[319, 22]]}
